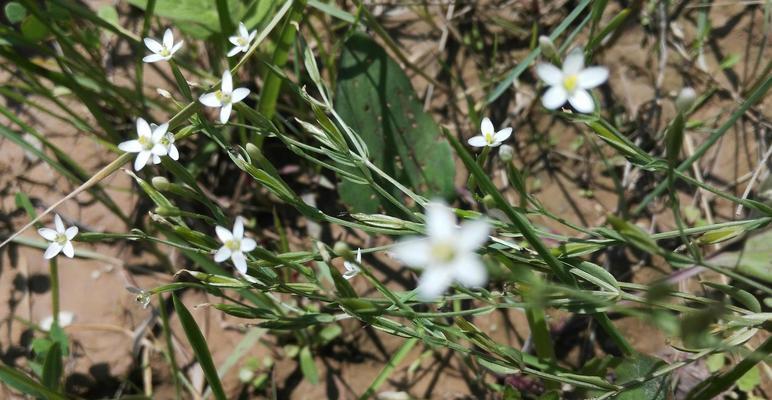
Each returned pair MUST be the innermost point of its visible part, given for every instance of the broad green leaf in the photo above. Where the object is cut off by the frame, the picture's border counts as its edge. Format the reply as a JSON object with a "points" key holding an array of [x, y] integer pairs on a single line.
{"points": [[631, 369], [32, 29], [15, 12], [200, 349], [377, 100], [749, 380], [755, 259]]}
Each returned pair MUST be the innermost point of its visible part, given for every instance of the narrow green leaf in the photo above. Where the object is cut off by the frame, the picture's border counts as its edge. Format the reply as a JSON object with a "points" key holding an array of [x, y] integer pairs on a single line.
{"points": [[52, 367], [308, 366], [23, 383], [200, 349], [741, 296]]}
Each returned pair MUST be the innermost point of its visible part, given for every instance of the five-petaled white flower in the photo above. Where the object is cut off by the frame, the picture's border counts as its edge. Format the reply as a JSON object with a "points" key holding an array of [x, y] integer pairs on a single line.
{"points": [[571, 83], [162, 51], [225, 97], [352, 269], [151, 144], [242, 40], [489, 136], [60, 239], [447, 254], [234, 245]]}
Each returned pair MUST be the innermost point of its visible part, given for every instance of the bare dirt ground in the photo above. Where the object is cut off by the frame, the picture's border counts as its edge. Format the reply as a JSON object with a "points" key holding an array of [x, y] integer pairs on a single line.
{"points": [[110, 336]]}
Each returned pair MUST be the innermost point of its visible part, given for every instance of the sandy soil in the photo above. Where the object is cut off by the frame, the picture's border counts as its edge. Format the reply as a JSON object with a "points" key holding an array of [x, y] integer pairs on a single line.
{"points": [[109, 323]]}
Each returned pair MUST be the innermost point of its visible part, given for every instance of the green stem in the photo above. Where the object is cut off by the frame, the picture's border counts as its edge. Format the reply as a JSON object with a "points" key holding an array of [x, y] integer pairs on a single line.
{"points": [[169, 347], [605, 322], [54, 290], [720, 383], [401, 353]]}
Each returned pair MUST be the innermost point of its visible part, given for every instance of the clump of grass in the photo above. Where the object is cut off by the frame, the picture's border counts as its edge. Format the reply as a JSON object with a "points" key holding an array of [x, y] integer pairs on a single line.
{"points": [[315, 87]]}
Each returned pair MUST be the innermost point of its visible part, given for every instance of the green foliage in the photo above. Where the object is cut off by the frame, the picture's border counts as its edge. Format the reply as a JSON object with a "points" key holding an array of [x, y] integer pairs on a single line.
{"points": [[375, 97], [14, 12]]}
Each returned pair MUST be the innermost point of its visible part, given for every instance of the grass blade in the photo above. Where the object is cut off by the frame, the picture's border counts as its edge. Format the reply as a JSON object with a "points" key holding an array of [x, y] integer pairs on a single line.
{"points": [[198, 343]]}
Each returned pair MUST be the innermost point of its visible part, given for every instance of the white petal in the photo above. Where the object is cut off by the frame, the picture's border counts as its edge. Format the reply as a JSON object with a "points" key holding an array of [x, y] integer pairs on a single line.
{"points": [[176, 47], [71, 232], [159, 150], [210, 100], [359, 256], [502, 135], [554, 97], [243, 30], [65, 318], [252, 36], [440, 221], [153, 45], [234, 40], [130, 146], [350, 274], [472, 235], [142, 158], [68, 250], [550, 74], [238, 228], [58, 223], [143, 129], [159, 132], [414, 252], [239, 94], [156, 159], [225, 113], [434, 282], [168, 38], [153, 58], [223, 233], [234, 51], [227, 82], [47, 234], [173, 153], [486, 126], [477, 141], [239, 261], [469, 271], [582, 101], [592, 77], [222, 254], [248, 244], [52, 250], [574, 62]]}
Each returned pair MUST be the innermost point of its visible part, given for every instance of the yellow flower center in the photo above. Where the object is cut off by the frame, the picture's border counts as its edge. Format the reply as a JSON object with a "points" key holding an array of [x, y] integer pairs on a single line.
{"points": [[569, 82], [233, 245], [242, 41], [488, 137], [145, 142], [61, 238], [443, 252], [165, 52], [223, 97]]}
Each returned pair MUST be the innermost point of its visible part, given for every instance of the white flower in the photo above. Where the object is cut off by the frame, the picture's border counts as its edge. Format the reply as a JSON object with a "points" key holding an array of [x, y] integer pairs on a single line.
{"points": [[242, 40], [151, 143], [489, 137], [234, 245], [352, 269], [225, 97], [167, 141], [162, 51], [60, 239], [142, 296], [65, 318], [447, 254], [571, 83]]}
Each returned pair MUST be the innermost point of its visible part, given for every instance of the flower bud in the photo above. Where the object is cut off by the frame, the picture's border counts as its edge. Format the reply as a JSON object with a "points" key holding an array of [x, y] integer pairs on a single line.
{"points": [[548, 47], [489, 202], [506, 153], [160, 183], [685, 99], [341, 249], [164, 93]]}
